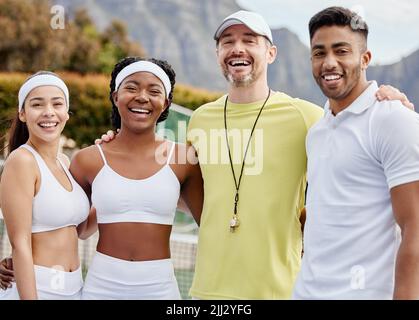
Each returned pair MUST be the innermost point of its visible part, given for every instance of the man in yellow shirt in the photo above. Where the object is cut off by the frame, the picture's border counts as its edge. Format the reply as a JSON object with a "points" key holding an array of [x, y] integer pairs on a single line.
{"points": [[250, 237]]}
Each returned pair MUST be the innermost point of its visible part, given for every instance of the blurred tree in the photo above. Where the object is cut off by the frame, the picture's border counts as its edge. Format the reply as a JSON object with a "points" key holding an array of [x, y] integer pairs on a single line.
{"points": [[29, 43], [83, 43], [116, 45], [26, 34]]}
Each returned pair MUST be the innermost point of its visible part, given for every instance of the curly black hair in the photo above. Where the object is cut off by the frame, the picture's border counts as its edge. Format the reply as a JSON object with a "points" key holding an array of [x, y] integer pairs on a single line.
{"points": [[167, 68]]}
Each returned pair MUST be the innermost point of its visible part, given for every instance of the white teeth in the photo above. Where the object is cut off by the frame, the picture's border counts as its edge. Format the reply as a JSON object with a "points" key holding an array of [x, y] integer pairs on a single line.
{"points": [[140, 110], [330, 77], [239, 62], [48, 124]]}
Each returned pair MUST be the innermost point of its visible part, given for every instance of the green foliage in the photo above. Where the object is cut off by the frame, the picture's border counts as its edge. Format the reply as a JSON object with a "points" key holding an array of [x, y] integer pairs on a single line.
{"points": [[90, 107], [191, 98], [9, 87], [30, 44], [89, 103]]}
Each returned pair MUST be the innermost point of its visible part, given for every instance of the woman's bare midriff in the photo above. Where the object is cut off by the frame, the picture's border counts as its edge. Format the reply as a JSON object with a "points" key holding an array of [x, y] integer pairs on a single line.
{"points": [[56, 249], [134, 241]]}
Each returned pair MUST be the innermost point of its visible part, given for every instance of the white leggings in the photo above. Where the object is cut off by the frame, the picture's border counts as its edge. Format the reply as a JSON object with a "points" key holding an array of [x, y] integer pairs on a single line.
{"points": [[51, 284], [113, 278]]}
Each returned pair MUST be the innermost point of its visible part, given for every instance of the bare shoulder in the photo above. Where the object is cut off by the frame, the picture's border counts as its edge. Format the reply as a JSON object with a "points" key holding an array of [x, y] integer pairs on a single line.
{"points": [[20, 159], [87, 158], [185, 154], [187, 159], [180, 147], [87, 154], [20, 163]]}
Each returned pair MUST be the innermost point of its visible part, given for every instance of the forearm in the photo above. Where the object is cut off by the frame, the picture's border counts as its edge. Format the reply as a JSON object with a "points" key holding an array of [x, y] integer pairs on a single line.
{"points": [[407, 268], [24, 273], [191, 207], [88, 227], [405, 201]]}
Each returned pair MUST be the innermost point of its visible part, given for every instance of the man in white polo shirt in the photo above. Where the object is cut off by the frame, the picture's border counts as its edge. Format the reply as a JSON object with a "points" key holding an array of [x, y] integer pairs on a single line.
{"points": [[363, 176]]}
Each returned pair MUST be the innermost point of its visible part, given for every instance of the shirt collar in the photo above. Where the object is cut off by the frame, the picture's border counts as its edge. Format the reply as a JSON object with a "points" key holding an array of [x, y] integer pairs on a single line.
{"points": [[362, 103]]}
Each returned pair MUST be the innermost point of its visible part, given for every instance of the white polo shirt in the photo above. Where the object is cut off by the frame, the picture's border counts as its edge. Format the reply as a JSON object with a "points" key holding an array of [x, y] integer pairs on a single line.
{"points": [[351, 238]]}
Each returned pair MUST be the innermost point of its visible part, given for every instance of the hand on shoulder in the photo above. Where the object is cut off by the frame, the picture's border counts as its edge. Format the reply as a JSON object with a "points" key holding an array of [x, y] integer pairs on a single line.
{"points": [[108, 136]]}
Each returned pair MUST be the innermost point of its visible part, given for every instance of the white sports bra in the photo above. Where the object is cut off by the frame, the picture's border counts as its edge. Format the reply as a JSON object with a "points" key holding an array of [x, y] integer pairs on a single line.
{"points": [[54, 207], [150, 200]]}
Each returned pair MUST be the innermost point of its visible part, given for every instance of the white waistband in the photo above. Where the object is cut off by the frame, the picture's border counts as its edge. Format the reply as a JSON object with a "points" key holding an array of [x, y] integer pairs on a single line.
{"points": [[56, 281], [131, 272]]}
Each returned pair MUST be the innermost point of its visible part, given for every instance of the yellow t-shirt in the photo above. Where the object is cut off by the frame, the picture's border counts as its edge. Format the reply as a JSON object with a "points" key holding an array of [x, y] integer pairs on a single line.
{"points": [[261, 258]]}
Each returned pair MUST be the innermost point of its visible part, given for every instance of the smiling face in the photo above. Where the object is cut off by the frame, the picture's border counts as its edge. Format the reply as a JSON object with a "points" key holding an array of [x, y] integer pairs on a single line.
{"points": [[339, 59], [244, 56], [140, 99], [45, 113]]}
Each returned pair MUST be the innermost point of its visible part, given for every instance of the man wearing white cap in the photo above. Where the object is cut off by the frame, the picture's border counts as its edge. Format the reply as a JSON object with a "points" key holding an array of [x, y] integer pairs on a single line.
{"points": [[250, 238], [249, 243]]}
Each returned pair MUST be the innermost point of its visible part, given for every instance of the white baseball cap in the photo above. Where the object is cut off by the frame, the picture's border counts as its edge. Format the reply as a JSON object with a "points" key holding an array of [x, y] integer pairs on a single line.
{"points": [[252, 20]]}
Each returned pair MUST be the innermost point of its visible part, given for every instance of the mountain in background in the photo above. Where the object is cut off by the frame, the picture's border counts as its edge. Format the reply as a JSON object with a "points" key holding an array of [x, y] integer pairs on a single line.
{"points": [[181, 31], [403, 75]]}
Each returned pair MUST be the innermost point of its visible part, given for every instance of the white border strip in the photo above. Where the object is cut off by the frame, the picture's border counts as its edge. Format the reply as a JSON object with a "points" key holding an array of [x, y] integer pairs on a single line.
{"points": [[180, 109]]}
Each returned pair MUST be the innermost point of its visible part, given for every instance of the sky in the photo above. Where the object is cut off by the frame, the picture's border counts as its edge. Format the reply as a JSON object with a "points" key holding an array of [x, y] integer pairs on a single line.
{"points": [[393, 25]]}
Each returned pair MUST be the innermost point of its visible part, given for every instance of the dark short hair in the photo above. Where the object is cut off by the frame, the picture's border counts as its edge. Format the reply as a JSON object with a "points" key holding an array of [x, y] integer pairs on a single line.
{"points": [[167, 68], [338, 16]]}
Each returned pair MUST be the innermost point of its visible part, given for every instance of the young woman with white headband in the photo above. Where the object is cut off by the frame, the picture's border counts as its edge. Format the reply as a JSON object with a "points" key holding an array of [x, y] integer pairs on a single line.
{"points": [[135, 183], [41, 202]]}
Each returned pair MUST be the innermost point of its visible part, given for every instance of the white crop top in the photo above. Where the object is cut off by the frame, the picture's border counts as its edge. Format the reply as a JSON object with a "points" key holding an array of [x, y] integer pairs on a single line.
{"points": [[150, 200], [54, 207]]}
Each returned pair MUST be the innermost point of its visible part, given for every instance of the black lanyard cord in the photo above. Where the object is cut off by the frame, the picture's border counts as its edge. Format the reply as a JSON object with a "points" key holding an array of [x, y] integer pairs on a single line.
{"points": [[237, 184]]}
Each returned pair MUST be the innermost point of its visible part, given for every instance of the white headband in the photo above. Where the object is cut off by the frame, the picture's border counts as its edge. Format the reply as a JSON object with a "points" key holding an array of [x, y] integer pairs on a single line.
{"points": [[42, 80], [144, 66]]}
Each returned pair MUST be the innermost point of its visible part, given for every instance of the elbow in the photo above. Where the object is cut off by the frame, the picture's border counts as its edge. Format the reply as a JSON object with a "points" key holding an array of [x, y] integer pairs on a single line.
{"points": [[83, 236], [197, 218], [21, 246], [81, 232], [85, 230]]}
